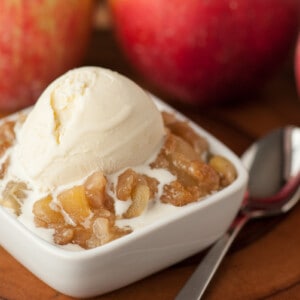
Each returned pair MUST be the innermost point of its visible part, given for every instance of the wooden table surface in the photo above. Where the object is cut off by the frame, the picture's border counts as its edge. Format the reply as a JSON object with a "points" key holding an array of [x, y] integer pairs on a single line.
{"points": [[264, 262]]}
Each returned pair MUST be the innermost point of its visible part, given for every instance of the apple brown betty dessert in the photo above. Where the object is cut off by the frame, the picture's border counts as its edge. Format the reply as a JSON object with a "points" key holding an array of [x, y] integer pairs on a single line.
{"points": [[85, 214]]}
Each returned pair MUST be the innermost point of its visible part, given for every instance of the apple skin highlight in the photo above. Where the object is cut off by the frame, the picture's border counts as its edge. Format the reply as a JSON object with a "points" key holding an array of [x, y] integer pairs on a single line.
{"points": [[297, 65]]}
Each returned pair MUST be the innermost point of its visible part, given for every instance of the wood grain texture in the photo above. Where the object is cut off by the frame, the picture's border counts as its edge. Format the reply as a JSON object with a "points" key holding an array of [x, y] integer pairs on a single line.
{"points": [[265, 260]]}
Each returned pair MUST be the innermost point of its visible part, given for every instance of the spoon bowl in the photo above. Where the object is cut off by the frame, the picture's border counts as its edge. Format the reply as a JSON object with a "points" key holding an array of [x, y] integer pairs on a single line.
{"points": [[273, 189]]}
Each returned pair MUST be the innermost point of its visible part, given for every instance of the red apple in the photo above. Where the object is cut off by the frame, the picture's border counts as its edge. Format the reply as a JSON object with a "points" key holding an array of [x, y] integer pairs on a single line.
{"points": [[297, 65], [39, 40], [201, 51]]}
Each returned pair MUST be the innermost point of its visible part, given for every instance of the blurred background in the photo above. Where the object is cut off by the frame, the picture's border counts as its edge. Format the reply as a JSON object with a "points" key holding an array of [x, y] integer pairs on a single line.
{"points": [[193, 53]]}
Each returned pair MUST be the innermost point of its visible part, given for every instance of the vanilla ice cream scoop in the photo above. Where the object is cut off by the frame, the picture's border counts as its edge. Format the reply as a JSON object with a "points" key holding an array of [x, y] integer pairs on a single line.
{"points": [[88, 119]]}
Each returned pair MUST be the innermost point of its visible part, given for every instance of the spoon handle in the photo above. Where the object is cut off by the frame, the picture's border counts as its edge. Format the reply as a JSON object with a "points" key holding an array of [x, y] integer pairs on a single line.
{"points": [[198, 282]]}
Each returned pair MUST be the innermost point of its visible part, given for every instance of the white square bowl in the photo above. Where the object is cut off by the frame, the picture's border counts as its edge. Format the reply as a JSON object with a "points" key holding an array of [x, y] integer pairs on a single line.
{"points": [[145, 251]]}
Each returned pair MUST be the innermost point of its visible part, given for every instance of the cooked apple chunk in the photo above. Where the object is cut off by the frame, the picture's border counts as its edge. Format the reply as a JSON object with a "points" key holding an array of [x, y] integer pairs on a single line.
{"points": [[75, 204], [45, 216], [13, 196], [140, 198]]}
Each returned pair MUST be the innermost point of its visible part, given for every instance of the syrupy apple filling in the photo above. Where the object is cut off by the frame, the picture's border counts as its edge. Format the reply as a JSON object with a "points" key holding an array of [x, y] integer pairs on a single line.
{"points": [[85, 214]]}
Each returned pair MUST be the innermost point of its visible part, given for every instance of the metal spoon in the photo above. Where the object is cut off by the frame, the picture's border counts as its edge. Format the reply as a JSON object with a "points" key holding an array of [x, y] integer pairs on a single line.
{"points": [[274, 188]]}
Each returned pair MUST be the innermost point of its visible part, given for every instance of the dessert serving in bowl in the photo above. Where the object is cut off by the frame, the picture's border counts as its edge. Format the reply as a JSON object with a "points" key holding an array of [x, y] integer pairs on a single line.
{"points": [[103, 184]]}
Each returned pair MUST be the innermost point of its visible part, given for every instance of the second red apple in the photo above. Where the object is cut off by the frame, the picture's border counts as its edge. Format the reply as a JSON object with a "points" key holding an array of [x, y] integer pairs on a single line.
{"points": [[206, 51]]}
